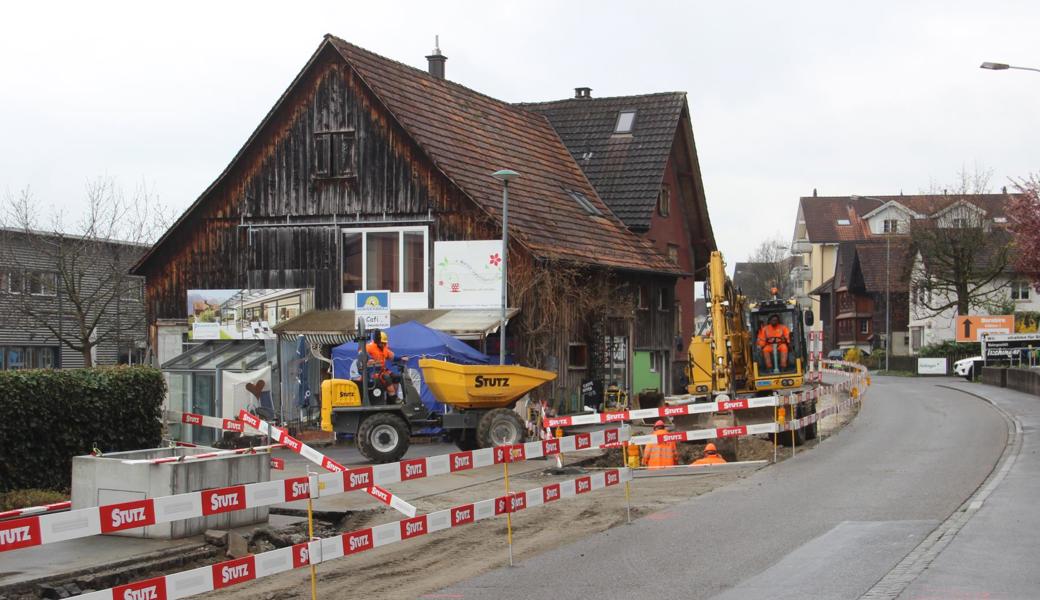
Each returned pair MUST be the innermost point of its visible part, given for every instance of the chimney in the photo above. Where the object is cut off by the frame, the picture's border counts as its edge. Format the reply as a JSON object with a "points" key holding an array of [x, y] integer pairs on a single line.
{"points": [[436, 60], [583, 92], [814, 193]]}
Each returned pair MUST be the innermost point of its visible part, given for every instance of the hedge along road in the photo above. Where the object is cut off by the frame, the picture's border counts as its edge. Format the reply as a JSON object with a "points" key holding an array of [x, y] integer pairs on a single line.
{"points": [[827, 524]]}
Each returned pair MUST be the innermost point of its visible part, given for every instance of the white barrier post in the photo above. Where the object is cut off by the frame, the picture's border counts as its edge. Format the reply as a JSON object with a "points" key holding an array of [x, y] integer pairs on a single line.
{"points": [[509, 504], [312, 490], [624, 464]]}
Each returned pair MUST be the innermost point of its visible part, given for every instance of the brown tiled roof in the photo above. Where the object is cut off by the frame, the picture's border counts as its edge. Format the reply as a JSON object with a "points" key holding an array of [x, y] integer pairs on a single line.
{"points": [[879, 265], [627, 169], [468, 136], [822, 213]]}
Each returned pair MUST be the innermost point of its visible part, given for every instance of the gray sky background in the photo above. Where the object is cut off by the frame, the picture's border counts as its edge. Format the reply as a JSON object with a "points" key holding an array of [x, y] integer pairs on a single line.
{"points": [[849, 98]]}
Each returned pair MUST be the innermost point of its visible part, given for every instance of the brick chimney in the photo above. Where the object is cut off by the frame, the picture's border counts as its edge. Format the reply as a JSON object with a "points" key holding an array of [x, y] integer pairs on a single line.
{"points": [[583, 92], [436, 60]]}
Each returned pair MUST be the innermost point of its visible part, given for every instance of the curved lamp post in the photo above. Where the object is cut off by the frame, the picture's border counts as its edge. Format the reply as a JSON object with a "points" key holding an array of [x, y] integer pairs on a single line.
{"points": [[505, 175], [994, 66]]}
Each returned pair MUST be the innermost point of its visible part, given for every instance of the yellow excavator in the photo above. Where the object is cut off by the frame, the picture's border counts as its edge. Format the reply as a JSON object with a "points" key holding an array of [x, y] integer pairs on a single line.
{"points": [[726, 362]]}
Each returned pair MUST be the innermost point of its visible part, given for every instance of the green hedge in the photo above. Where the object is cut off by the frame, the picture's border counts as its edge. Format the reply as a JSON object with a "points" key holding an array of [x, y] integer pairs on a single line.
{"points": [[50, 416]]}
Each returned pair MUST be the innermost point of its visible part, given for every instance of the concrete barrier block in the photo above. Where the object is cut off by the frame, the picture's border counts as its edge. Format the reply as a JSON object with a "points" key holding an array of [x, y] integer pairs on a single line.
{"points": [[994, 376]]}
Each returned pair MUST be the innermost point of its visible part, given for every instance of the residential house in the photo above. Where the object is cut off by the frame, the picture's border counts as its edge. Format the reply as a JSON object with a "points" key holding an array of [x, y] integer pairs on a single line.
{"points": [[40, 311], [639, 154], [359, 173], [825, 223]]}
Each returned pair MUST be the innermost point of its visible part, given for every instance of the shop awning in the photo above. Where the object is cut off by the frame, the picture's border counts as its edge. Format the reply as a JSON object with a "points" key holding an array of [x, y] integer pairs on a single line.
{"points": [[219, 354], [333, 327]]}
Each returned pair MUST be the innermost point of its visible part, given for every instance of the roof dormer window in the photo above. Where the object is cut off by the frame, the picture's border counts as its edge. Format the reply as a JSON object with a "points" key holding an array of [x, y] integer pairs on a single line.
{"points": [[584, 202], [844, 222], [625, 119]]}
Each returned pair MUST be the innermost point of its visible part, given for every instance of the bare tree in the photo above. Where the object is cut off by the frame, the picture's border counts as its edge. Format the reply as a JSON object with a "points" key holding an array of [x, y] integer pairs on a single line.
{"points": [[965, 256], [85, 265], [769, 266]]}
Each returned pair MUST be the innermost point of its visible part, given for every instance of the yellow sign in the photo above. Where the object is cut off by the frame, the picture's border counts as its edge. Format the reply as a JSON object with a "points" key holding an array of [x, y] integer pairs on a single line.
{"points": [[969, 327]]}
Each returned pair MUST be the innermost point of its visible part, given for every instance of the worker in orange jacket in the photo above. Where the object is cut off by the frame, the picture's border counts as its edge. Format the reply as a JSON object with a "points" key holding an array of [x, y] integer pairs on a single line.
{"points": [[711, 456], [660, 454], [380, 355], [774, 334]]}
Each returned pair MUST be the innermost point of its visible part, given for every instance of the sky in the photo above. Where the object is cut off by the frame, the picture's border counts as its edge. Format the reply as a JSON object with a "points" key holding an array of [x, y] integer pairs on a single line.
{"points": [[867, 98]]}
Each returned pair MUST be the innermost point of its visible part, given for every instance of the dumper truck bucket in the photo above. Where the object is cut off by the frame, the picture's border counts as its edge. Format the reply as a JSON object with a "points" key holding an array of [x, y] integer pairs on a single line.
{"points": [[480, 386]]}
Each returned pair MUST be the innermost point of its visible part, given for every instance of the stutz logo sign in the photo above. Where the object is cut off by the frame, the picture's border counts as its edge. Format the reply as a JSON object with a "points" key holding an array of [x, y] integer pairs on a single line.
{"points": [[192, 418], [223, 500], [613, 477], [481, 382], [126, 515], [149, 589], [461, 515], [19, 533], [582, 485], [233, 571], [357, 541], [292, 443], [582, 441], [673, 437], [550, 447], [413, 527], [731, 431], [733, 405], [611, 436], [614, 416], [297, 488], [551, 492], [460, 461], [413, 469], [231, 425], [670, 411], [301, 555], [357, 479]]}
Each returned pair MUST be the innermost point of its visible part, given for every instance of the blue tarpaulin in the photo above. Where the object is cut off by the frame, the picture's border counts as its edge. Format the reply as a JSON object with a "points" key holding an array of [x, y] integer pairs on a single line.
{"points": [[415, 341]]}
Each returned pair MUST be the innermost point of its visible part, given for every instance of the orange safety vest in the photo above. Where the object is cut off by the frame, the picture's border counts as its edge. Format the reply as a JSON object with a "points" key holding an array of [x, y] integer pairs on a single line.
{"points": [[709, 459], [377, 354], [658, 456], [769, 331]]}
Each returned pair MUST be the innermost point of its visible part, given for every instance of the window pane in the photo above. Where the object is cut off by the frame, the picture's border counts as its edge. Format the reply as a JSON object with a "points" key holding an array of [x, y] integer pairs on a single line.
{"points": [[342, 154], [351, 263], [16, 282], [15, 358], [322, 154], [624, 122], [383, 261], [414, 261]]}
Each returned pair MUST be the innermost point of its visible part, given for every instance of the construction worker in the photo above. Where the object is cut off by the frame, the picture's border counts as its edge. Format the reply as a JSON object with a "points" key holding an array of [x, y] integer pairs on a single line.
{"points": [[380, 355], [660, 455], [774, 336], [711, 456]]}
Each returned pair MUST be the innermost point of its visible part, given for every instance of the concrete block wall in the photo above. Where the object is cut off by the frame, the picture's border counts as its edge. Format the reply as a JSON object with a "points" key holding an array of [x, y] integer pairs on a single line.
{"points": [[107, 480], [1024, 380], [994, 376]]}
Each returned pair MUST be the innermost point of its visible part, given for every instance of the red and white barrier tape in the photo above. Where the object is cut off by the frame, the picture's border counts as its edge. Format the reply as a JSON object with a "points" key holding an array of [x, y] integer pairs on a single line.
{"points": [[205, 421], [282, 437], [36, 510], [231, 572], [663, 411], [711, 433], [191, 457], [85, 522]]}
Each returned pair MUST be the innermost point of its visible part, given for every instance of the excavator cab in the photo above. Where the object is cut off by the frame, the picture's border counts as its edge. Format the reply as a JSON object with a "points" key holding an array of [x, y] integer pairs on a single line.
{"points": [[771, 374]]}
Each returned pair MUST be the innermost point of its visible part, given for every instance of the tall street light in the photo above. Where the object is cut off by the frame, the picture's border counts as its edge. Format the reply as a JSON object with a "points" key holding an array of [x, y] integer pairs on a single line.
{"points": [[505, 175], [993, 66]]}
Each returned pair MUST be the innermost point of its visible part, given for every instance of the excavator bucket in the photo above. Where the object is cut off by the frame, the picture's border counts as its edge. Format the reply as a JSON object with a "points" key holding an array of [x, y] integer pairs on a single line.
{"points": [[480, 386]]}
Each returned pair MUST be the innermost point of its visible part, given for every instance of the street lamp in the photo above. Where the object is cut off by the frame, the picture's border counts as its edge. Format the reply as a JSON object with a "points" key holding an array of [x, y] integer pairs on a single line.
{"points": [[993, 66], [888, 284], [505, 175]]}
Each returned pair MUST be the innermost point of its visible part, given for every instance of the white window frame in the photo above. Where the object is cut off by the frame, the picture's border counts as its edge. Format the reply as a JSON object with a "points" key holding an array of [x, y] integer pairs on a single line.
{"points": [[398, 299], [894, 226], [630, 125], [1020, 290]]}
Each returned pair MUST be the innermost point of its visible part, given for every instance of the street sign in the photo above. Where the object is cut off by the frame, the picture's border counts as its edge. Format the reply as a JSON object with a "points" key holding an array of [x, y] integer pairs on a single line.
{"points": [[998, 347], [373, 307], [969, 328]]}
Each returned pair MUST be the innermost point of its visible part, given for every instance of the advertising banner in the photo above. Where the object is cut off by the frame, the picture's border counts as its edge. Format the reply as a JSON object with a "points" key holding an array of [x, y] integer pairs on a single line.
{"points": [[373, 307], [467, 274]]}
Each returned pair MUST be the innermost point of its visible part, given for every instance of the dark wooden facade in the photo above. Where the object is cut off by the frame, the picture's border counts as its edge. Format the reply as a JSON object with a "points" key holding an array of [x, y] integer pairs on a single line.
{"points": [[329, 158]]}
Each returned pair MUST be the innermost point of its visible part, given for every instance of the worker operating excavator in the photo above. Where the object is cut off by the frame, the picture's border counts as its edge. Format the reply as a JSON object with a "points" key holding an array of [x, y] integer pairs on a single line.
{"points": [[774, 338], [380, 355]]}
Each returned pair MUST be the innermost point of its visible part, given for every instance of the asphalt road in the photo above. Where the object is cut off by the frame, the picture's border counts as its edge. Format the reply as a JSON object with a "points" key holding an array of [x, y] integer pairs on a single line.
{"points": [[829, 523]]}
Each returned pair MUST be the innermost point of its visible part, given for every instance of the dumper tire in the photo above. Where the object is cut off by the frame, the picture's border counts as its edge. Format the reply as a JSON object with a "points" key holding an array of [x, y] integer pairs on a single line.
{"points": [[465, 439], [383, 437], [499, 427]]}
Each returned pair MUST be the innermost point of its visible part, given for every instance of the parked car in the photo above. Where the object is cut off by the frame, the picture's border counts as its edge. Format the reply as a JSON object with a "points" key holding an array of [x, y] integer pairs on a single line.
{"points": [[965, 367], [836, 355]]}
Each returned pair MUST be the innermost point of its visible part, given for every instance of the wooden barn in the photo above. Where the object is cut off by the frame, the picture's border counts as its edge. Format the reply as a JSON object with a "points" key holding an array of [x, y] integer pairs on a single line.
{"points": [[363, 165]]}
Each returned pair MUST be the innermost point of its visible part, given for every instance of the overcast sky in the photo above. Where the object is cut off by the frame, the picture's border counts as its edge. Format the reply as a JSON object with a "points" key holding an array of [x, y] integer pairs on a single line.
{"points": [[849, 98]]}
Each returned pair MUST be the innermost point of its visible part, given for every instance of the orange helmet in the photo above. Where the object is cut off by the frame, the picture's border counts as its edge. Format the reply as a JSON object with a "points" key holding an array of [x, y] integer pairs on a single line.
{"points": [[659, 424], [710, 449]]}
